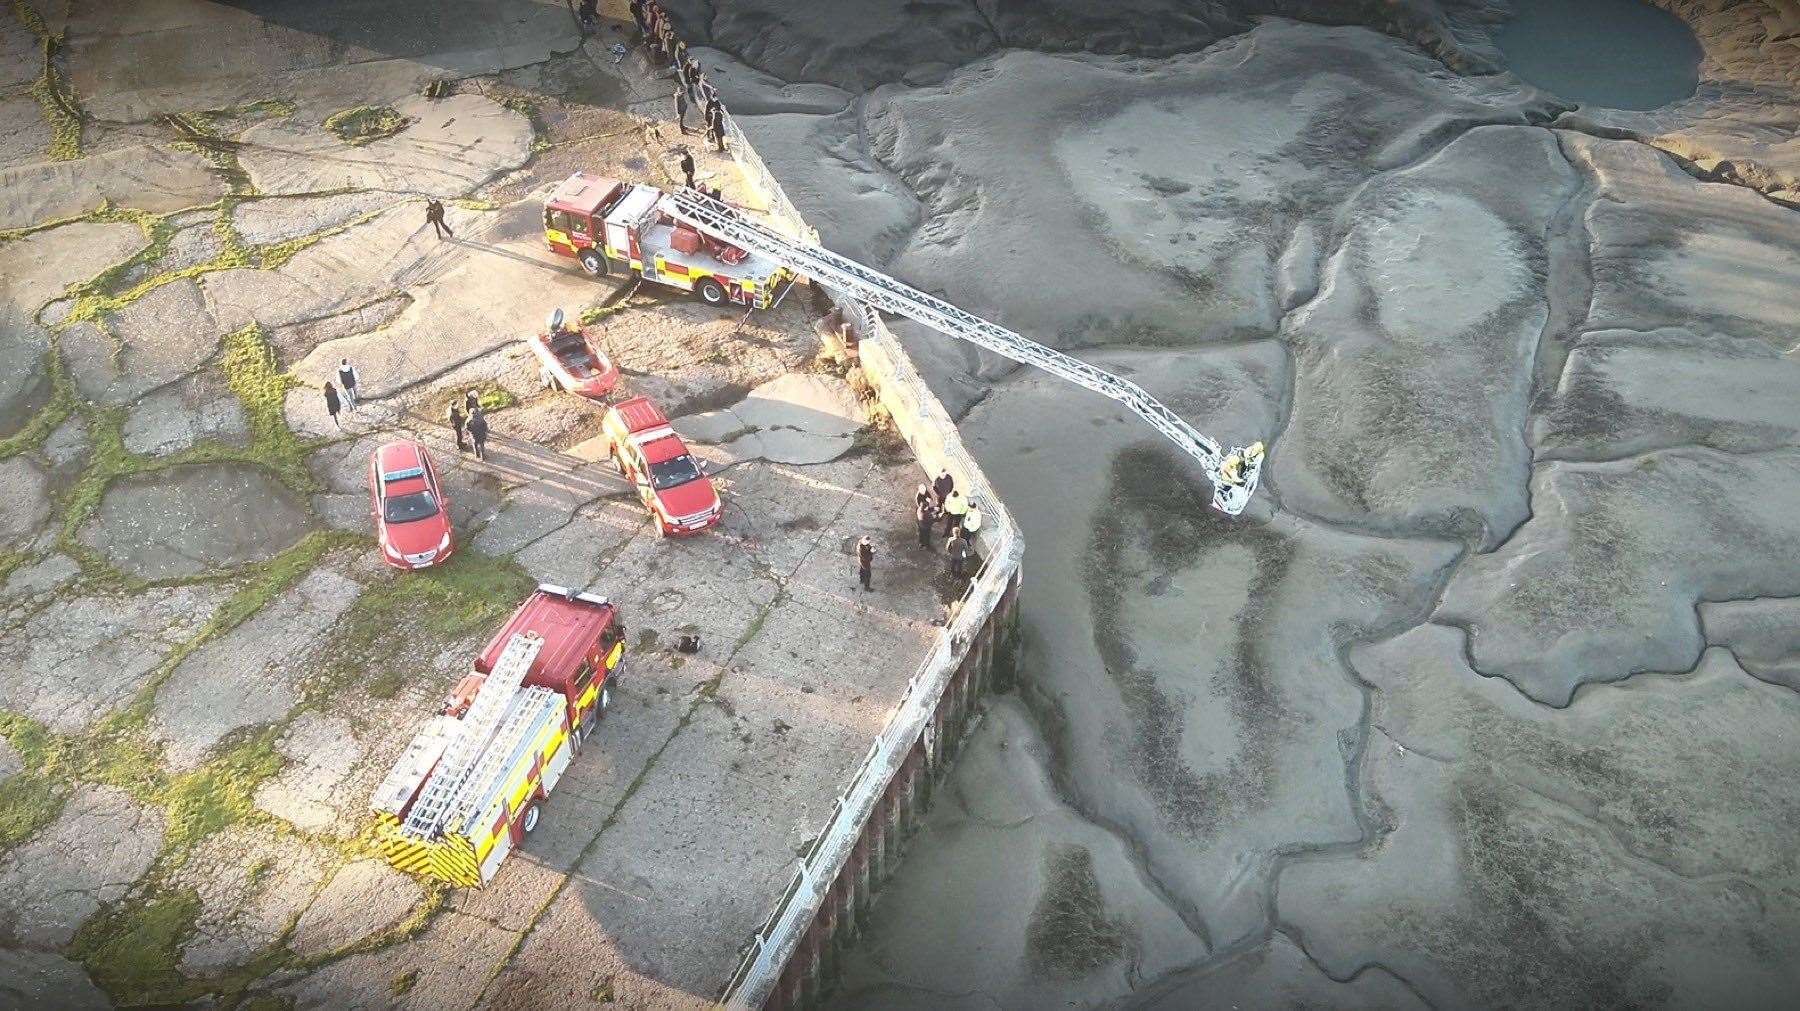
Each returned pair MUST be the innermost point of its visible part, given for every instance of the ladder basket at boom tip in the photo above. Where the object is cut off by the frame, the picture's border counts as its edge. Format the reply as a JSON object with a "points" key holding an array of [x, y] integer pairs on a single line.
{"points": [[883, 293]]}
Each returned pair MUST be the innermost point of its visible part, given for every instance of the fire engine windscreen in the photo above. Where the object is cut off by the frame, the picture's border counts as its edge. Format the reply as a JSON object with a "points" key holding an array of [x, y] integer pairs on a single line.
{"points": [[670, 473]]}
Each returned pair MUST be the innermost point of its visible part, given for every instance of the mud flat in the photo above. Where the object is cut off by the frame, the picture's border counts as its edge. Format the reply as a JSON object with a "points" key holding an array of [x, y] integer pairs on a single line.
{"points": [[1525, 386]]}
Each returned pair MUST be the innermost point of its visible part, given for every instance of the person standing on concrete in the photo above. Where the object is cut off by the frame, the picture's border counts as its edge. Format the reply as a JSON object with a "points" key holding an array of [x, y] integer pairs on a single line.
{"points": [[478, 431], [865, 561], [926, 515], [434, 216], [943, 486], [681, 108], [687, 166], [971, 522], [959, 552], [715, 124], [637, 15], [347, 379], [456, 424], [587, 13], [332, 404], [471, 403], [955, 506]]}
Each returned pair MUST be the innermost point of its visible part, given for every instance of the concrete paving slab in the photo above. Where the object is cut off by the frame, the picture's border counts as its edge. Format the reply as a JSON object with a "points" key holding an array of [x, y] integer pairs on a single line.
{"points": [[100, 844], [253, 673], [166, 334], [24, 387], [38, 267], [252, 883], [26, 505], [53, 573], [362, 898], [149, 177], [322, 752], [185, 521], [201, 408], [84, 657], [37, 979]]}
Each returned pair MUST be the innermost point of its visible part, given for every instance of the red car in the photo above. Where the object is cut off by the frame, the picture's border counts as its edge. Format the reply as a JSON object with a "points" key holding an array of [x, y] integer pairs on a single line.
{"points": [[412, 513], [571, 359], [672, 484]]}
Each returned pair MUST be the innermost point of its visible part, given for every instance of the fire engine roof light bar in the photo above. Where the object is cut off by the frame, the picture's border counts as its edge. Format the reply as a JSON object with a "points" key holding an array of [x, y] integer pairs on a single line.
{"points": [[478, 725], [888, 295]]}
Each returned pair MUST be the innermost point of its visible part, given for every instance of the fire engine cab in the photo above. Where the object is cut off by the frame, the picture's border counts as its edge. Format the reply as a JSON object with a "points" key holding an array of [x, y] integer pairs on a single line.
{"points": [[608, 225], [468, 788]]}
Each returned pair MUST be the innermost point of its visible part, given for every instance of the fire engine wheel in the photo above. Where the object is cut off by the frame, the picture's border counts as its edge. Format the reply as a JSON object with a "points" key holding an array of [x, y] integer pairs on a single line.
{"points": [[529, 821], [592, 262], [710, 292]]}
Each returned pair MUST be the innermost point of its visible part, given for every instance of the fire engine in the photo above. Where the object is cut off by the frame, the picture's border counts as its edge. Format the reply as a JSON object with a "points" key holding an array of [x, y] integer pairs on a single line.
{"points": [[608, 225], [467, 790]]}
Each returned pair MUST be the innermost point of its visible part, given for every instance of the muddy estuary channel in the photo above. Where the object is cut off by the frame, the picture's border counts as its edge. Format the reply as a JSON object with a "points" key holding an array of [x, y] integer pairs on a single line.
{"points": [[1489, 699]]}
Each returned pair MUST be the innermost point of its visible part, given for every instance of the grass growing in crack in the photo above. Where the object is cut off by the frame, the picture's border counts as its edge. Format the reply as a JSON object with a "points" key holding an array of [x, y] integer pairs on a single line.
{"points": [[218, 794], [540, 134], [48, 417], [28, 802], [410, 616], [365, 124], [132, 950], [62, 111]]}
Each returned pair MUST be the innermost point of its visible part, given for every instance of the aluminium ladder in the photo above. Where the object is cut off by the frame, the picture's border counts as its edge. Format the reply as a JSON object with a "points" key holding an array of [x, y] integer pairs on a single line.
{"points": [[882, 292], [478, 725]]}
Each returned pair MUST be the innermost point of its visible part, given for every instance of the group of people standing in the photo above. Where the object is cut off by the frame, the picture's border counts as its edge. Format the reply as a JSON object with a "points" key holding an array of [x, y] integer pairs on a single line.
{"points": [[465, 414], [693, 90], [941, 500]]}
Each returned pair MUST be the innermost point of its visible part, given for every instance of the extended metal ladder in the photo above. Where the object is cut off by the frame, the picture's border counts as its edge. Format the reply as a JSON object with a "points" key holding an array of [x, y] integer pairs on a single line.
{"points": [[888, 295], [496, 761], [478, 725]]}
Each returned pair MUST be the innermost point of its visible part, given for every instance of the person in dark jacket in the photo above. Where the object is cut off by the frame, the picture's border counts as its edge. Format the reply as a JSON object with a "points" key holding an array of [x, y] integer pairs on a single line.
{"points": [[471, 403], [478, 431], [587, 11], [959, 551], [687, 167], [926, 515], [865, 562], [434, 216], [456, 424], [681, 108], [637, 15], [715, 124], [943, 486], [332, 404]]}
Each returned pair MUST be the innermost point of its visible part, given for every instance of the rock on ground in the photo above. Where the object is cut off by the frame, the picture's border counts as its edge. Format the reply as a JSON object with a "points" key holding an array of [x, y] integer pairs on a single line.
{"points": [[192, 519], [100, 844], [1414, 366], [1602, 581], [251, 674], [363, 898], [1533, 856], [35, 979], [81, 659]]}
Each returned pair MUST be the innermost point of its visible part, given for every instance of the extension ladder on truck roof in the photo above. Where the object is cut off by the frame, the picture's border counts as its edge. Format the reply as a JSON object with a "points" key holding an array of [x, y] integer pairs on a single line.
{"points": [[888, 295]]}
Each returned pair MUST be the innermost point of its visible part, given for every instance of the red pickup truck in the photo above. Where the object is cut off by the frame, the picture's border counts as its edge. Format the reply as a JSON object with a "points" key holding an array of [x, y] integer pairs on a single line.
{"points": [[672, 484]]}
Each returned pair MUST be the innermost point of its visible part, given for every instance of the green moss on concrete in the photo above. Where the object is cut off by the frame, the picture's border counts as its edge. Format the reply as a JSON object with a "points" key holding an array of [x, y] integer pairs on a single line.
{"points": [[495, 398], [28, 802], [365, 124], [133, 949], [378, 644], [218, 794], [62, 111]]}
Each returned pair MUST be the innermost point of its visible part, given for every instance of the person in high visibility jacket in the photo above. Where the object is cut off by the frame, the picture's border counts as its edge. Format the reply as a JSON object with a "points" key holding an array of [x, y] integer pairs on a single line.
{"points": [[1232, 470], [955, 507]]}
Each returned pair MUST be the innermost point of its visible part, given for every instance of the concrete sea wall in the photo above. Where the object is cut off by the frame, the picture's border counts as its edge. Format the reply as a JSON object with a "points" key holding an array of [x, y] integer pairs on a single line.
{"points": [[789, 962]]}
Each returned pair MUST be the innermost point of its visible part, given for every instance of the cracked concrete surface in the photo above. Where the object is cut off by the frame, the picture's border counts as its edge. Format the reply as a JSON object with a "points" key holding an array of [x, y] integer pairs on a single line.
{"points": [[97, 847]]}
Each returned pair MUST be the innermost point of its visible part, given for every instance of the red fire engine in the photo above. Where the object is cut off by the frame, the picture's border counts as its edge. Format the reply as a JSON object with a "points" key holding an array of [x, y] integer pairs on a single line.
{"points": [[468, 788], [608, 226]]}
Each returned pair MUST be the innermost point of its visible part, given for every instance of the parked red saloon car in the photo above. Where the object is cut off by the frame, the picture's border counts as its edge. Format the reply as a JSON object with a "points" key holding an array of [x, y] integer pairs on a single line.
{"points": [[412, 513]]}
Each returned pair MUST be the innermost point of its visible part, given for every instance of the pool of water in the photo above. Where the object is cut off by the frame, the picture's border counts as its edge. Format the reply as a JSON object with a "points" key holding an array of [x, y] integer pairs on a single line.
{"points": [[1624, 54]]}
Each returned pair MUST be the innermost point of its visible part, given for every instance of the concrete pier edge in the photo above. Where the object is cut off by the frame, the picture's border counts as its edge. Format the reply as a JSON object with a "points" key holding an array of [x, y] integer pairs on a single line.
{"points": [[788, 962]]}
